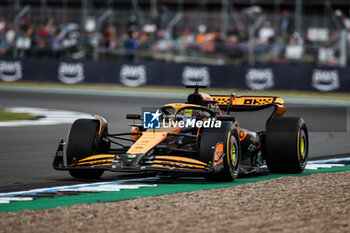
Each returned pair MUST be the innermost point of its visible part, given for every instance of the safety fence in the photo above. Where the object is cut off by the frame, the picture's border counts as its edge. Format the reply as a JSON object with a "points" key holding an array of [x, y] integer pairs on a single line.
{"points": [[303, 78]]}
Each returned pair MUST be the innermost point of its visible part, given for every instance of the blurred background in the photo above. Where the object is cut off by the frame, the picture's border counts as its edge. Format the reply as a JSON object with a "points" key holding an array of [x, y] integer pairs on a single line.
{"points": [[206, 32]]}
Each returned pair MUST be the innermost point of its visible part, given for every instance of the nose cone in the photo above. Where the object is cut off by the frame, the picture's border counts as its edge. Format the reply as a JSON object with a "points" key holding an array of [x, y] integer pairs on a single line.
{"points": [[131, 160], [147, 141]]}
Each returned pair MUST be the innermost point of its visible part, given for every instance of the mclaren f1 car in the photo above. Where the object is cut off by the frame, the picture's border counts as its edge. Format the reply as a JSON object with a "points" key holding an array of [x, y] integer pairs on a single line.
{"points": [[198, 138]]}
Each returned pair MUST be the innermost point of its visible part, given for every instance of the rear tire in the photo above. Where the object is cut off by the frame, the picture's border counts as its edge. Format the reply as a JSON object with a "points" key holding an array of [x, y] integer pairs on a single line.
{"points": [[286, 145], [231, 160], [82, 141]]}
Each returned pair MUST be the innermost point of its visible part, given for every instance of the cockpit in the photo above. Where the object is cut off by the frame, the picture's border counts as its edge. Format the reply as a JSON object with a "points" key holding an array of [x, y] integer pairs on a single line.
{"points": [[186, 112]]}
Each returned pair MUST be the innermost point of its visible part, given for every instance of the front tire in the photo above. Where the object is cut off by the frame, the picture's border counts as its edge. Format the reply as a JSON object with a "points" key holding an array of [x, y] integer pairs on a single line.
{"points": [[82, 141], [227, 135], [286, 145]]}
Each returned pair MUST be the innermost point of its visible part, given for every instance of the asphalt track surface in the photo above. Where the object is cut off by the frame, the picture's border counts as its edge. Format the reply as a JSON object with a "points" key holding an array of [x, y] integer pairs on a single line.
{"points": [[26, 152]]}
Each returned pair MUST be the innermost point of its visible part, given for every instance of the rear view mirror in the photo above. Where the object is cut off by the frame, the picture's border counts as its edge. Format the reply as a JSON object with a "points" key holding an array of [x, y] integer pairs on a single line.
{"points": [[133, 116]]}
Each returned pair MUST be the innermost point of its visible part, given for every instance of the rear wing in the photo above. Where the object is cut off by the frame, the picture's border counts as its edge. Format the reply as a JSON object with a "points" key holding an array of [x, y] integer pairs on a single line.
{"points": [[250, 103]]}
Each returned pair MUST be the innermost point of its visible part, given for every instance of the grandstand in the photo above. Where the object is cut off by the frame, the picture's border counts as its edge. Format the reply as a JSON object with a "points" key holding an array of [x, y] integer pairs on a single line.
{"points": [[216, 32]]}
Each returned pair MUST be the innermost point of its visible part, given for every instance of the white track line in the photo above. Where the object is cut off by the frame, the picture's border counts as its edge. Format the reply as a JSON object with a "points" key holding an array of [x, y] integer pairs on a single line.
{"points": [[6, 200], [317, 166], [47, 116], [335, 160], [108, 186]]}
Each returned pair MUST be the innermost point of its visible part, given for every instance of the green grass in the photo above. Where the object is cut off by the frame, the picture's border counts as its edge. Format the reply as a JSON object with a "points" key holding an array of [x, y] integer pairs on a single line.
{"points": [[14, 116], [111, 87]]}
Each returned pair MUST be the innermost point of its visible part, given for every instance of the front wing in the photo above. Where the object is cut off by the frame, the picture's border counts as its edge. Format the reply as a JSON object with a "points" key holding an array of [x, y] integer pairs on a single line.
{"points": [[156, 163]]}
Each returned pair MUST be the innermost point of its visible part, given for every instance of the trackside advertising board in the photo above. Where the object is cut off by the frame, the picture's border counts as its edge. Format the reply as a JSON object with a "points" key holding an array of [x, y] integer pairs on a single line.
{"points": [[305, 78]]}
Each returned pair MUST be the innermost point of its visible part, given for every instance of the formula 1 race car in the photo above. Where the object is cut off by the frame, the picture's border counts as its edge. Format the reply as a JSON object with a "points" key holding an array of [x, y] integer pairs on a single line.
{"points": [[200, 137]]}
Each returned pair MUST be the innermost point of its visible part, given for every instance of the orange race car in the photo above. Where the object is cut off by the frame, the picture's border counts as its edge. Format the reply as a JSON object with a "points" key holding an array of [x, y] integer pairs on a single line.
{"points": [[201, 137]]}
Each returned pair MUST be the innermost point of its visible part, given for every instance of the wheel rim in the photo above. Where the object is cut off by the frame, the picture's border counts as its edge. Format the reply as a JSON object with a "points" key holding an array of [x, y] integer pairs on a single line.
{"points": [[303, 146], [233, 152]]}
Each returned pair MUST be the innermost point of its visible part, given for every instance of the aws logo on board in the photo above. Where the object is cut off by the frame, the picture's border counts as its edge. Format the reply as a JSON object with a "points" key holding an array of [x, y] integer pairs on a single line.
{"points": [[325, 80], [71, 73], [195, 76], [10, 71], [259, 79], [133, 75]]}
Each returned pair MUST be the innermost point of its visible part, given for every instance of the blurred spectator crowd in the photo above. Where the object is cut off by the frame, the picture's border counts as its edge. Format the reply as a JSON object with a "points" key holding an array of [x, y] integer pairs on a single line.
{"points": [[275, 42]]}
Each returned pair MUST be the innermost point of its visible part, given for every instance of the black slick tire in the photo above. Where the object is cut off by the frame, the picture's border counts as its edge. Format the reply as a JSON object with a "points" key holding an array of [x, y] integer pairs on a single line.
{"points": [[286, 145], [82, 142], [227, 135]]}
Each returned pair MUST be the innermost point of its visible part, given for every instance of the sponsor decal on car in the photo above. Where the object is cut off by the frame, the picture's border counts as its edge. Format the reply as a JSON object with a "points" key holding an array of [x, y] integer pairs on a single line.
{"points": [[258, 101], [133, 75], [10, 71], [260, 79], [71, 73], [242, 133], [218, 156]]}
